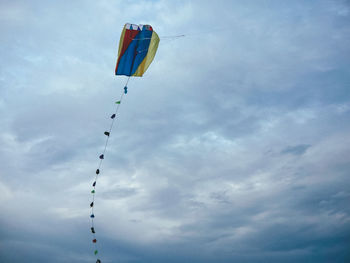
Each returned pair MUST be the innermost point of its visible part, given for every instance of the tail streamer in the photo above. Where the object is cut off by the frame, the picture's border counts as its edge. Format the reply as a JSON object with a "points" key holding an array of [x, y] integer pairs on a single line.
{"points": [[98, 170]]}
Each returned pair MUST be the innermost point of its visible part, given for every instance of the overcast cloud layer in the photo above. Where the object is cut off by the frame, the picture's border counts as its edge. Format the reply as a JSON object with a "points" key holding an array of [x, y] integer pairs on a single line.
{"points": [[233, 147]]}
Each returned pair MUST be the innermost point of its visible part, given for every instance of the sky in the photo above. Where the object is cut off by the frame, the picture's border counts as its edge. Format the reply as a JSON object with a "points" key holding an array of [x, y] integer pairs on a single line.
{"points": [[233, 147]]}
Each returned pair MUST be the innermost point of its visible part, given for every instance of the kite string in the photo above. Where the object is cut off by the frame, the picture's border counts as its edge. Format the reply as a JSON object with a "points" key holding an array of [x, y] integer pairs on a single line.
{"points": [[100, 164], [161, 37], [171, 37], [189, 34]]}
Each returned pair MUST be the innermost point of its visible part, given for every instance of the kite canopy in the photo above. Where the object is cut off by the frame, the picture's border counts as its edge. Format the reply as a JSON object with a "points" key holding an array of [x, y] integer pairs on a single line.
{"points": [[137, 47]]}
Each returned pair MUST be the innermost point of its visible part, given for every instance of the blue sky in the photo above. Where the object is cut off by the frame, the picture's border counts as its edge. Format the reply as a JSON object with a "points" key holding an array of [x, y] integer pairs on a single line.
{"points": [[233, 147]]}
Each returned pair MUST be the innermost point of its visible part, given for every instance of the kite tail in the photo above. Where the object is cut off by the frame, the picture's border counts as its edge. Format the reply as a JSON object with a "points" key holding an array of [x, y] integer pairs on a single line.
{"points": [[101, 157]]}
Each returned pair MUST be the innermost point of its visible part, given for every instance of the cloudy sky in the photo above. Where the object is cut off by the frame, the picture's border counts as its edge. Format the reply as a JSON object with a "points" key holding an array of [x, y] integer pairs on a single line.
{"points": [[233, 147]]}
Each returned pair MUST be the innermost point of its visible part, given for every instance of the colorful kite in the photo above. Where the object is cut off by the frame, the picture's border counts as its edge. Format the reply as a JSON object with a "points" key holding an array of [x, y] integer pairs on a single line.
{"points": [[137, 48]]}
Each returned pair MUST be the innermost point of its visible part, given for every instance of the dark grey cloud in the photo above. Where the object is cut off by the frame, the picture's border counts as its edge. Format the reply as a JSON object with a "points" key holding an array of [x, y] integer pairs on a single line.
{"points": [[296, 150]]}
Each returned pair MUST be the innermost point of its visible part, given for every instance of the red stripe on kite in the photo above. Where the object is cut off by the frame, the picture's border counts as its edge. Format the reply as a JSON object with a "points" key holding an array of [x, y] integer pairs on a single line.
{"points": [[128, 37]]}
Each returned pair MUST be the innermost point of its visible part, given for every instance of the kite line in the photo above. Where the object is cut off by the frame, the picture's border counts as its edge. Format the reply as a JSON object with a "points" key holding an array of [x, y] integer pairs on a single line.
{"points": [[101, 157]]}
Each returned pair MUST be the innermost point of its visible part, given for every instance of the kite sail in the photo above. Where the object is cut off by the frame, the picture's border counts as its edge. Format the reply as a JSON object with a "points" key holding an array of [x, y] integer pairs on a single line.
{"points": [[137, 48]]}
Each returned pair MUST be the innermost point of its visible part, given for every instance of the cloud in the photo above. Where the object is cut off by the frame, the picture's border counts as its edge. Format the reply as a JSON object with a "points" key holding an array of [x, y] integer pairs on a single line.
{"points": [[296, 150], [232, 147]]}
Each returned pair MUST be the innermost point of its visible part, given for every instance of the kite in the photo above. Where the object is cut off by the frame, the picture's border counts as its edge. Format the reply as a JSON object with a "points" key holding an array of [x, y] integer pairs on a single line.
{"points": [[137, 47]]}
